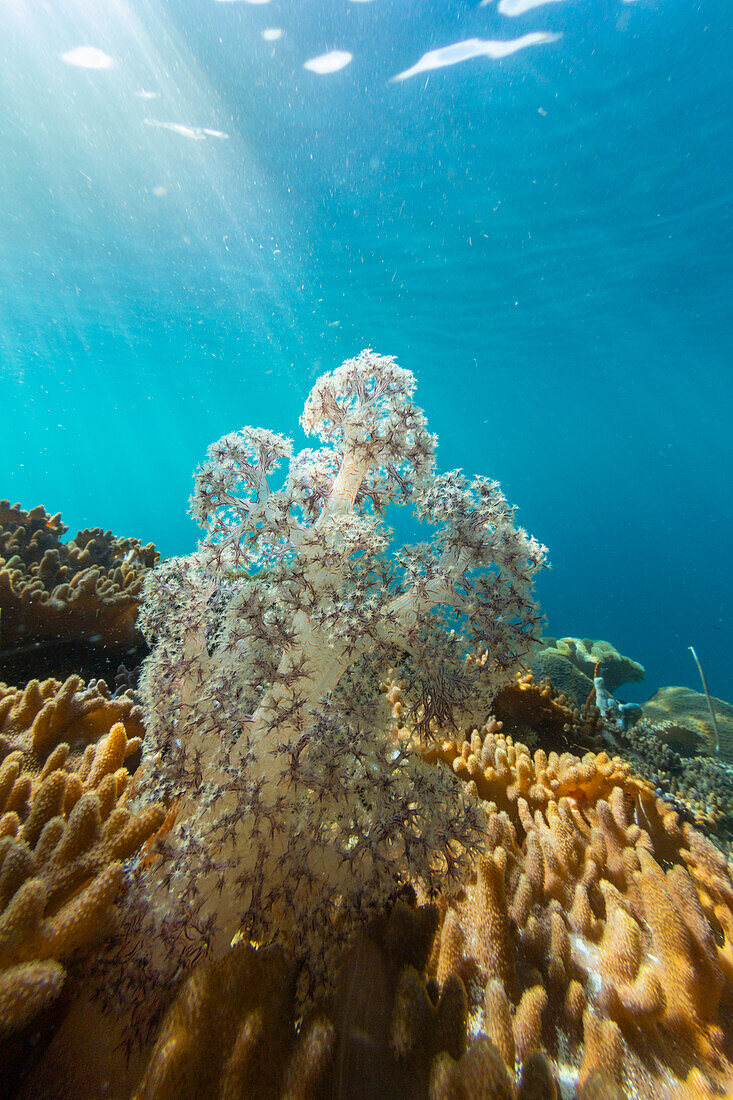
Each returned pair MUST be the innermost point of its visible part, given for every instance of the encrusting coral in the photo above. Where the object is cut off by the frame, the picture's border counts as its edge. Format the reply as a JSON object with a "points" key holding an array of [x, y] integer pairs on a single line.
{"points": [[64, 832], [266, 725], [86, 589]]}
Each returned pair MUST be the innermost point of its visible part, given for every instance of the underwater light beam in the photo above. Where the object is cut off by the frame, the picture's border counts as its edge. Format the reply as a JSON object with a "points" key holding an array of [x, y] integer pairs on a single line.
{"points": [[103, 98]]}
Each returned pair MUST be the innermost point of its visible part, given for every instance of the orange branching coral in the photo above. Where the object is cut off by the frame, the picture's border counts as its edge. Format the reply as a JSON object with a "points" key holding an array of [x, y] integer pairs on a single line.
{"points": [[504, 771], [64, 835], [85, 589], [596, 930], [230, 1032], [37, 719]]}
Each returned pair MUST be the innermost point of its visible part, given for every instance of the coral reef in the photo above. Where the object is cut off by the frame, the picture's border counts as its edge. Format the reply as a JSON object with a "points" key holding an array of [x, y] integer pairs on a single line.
{"points": [[597, 929], [572, 663], [37, 719], [504, 771], [265, 719], [534, 710], [64, 832], [306, 777], [686, 709], [388, 1031], [86, 590], [699, 787], [587, 957]]}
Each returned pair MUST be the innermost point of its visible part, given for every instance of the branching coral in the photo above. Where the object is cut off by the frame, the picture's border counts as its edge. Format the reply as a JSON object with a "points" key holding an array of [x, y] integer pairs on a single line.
{"points": [[64, 834], [597, 928], [231, 1032], [39, 718], [86, 589], [266, 724]]}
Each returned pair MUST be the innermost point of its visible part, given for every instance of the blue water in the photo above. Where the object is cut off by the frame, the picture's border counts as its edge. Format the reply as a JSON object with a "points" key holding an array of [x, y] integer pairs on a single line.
{"points": [[544, 239]]}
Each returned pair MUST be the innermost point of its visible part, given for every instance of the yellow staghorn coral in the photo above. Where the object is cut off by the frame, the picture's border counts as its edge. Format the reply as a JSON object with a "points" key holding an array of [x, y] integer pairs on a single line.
{"points": [[64, 835], [596, 929]]}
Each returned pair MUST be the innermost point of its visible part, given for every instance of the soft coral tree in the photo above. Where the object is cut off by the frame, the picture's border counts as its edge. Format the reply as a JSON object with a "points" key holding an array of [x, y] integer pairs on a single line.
{"points": [[297, 804]]}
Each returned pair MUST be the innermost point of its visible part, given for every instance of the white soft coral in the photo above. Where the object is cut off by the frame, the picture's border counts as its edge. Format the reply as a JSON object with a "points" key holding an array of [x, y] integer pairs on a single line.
{"points": [[296, 806]]}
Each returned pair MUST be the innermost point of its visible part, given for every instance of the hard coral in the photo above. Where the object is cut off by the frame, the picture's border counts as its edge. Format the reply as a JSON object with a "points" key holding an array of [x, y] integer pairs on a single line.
{"points": [[687, 709], [700, 788], [592, 658], [597, 929], [231, 1032], [504, 771], [295, 808], [64, 835], [85, 589], [37, 719], [530, 708]]}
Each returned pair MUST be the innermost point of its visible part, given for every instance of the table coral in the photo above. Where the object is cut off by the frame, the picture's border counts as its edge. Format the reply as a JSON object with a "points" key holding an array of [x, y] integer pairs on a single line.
{"points": [[265, 720], [591, 658], [85, 589], [64, 834]]}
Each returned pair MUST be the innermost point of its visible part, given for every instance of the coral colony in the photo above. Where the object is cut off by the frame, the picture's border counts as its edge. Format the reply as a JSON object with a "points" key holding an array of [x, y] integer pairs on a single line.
{"points": [[297, 806], [334, 730]]}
